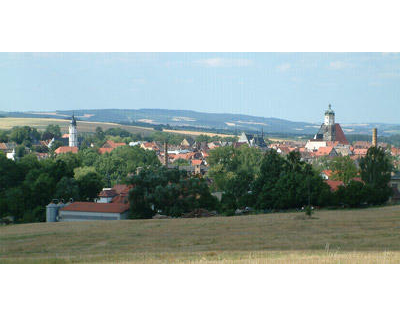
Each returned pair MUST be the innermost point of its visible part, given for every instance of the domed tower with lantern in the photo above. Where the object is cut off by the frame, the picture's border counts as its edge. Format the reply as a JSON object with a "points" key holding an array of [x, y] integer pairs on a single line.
{"points": [[329, 116], [330, 133]]}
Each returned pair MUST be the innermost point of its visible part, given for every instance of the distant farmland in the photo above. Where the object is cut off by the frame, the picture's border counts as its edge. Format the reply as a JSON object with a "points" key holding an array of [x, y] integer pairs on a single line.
{"points": [[345, 236], [85, 126]]}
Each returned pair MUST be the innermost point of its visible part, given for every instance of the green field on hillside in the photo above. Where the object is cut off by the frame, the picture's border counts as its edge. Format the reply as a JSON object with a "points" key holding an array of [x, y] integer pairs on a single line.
{"points": [[345, 236]]}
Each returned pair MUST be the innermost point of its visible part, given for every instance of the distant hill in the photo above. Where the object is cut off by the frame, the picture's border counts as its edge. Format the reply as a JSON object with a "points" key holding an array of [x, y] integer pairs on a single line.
{"points": [[210, 121]]}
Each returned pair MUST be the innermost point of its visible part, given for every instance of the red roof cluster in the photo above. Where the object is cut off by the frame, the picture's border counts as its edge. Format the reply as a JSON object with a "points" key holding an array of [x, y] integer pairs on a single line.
{"points": [[335, 184], [323, 151], [109, 146], [66, 149]]}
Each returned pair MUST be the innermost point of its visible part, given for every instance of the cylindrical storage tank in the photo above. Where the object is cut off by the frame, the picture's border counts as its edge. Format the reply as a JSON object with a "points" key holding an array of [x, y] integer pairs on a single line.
{"points": [[51, 212]]}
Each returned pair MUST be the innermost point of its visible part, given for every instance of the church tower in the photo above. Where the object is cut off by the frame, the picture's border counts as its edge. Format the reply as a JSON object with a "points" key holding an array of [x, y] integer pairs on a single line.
{"points": [[73, 133], [329, 116]]}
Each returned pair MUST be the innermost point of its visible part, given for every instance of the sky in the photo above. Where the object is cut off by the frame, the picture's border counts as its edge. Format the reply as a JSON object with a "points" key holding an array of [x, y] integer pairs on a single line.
{"points": [[362, 87]]}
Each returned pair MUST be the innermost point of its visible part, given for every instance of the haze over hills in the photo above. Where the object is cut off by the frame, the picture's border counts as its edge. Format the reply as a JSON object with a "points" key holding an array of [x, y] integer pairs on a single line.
{"points": [[199, 120]]}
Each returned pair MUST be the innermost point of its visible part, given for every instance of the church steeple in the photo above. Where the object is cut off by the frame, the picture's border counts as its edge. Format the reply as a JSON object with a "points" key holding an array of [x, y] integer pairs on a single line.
{"points": [[329, 116], [73, 133], [73, 121]]}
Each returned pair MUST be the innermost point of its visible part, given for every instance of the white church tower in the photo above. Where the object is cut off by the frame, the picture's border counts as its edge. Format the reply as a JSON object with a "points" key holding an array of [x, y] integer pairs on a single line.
{"points": [[329, 117], [73, 133]]}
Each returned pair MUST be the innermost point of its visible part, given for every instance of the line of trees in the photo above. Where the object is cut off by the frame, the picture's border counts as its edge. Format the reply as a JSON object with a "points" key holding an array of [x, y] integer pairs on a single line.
{"points": [[28, 184], [270, 181]]}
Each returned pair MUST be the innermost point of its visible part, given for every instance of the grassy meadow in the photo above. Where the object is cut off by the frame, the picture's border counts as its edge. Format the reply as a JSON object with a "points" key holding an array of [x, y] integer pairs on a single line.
{"points": [[345, 236]]}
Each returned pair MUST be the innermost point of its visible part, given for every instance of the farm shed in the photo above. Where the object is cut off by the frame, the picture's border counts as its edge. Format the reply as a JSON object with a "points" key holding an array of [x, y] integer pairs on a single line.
{"points": [[89, 211]]}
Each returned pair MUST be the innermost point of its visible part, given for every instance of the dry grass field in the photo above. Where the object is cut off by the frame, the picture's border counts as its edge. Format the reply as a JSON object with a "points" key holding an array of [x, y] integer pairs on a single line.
{"points": [[346, 236], [84, 126]]}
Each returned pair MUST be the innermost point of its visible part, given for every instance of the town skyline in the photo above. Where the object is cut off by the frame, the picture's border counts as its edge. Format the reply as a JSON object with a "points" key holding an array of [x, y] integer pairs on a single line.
{"points": [[362, 87]]}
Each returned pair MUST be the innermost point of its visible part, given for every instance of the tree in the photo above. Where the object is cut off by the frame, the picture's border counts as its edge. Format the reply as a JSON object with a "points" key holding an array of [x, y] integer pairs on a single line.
{"points": [[11, 174], [99, 133], [80, 172], [24, 135], [181, 162], [271, 168], [20, 151], [3, 137], [354, 194], [90, 185], [66, 189], [51, 131], [168, 191], [71, 161], [376, 173], [88, 156], [288, 183], [226, 162], [343, 169]]}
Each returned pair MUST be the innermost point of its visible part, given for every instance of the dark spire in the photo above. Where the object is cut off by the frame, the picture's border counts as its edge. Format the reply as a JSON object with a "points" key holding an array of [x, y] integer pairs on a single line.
{"points": [[73, 120]]}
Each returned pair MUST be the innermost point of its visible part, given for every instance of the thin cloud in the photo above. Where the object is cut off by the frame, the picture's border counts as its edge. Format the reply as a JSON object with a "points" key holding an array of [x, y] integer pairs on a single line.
{"points": [[224, 62], [339, 65], [284, 67]]}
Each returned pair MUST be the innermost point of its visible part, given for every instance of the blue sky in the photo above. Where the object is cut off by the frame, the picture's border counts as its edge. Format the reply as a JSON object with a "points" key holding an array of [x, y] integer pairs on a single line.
{"points": [[362, 87]]}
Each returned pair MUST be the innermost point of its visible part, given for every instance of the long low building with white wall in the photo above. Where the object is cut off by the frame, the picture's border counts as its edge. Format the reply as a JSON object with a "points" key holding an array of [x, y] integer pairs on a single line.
{"points": [[89, 211]]}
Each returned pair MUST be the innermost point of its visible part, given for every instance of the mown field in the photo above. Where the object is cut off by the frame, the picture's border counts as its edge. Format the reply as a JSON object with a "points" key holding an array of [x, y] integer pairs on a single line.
{"points": [[84, 126], [345, 236]]}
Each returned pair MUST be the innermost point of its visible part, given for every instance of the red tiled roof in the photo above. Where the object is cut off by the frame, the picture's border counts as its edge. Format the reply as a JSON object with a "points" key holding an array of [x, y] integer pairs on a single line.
{"points": [[284, 149], [395, 151], [327, 172], [196, 162], [186, 156], [105, 150], [3, 146], [96, 207], [331, 143], [122, 188], [362, 144], [360, 151], [42, 155], [65, 136], [119, 199], [150, 145], [107, 193], [111, 144], [323, 151], [66, 149], [334, 184], [339, 135]]}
